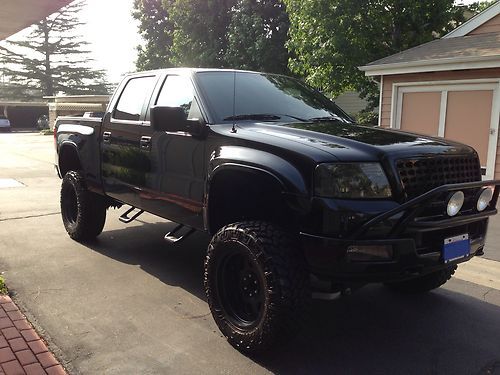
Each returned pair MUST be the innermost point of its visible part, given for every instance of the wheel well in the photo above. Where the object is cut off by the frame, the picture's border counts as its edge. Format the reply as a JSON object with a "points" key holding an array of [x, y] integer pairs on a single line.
{"points": [[247, 195], [68, 160]]}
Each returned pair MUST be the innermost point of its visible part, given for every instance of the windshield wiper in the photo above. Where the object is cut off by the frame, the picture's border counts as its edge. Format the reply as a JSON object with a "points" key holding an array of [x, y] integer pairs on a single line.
{"points": [[254, 116], [263, 116], [326, 118]]}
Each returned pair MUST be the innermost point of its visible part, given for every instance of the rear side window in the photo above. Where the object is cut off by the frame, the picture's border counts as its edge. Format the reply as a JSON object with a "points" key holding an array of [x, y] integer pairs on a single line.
{"points": [[131, 102]]}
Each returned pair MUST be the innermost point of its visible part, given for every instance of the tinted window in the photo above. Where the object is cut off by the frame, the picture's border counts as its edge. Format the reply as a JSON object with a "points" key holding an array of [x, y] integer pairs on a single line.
{"points": [[132, 99], [177, 91], [265, 94]]}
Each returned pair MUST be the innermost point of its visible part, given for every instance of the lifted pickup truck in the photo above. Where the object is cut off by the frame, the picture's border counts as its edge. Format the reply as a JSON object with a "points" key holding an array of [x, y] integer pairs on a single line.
{"points": [[296, 196]]}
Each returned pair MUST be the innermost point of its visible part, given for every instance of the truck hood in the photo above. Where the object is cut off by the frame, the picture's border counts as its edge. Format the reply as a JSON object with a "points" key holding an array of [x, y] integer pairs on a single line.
{"points": [[349, 142]]}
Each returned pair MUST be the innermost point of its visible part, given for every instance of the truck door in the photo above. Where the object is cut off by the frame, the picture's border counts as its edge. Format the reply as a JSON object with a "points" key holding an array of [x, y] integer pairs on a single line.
{"points": [[176, 188], [125, 140]]}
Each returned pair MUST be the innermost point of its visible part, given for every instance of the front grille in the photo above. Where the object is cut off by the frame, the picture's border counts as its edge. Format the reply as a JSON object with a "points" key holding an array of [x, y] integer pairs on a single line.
{"points": [[420, 175]]}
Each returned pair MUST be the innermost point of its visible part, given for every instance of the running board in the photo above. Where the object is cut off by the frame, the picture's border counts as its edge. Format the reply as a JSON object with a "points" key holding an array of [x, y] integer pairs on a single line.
{"points": [[124, 218], [172, 238]]}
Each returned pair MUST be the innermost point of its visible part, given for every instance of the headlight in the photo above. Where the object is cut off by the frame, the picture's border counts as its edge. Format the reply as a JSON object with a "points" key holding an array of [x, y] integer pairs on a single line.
{"points": [[351, 180], [455, 203], [485, 198]]}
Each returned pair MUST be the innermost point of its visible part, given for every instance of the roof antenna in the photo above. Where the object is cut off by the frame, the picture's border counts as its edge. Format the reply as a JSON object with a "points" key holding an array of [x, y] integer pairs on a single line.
{"points": [[233, 130]]}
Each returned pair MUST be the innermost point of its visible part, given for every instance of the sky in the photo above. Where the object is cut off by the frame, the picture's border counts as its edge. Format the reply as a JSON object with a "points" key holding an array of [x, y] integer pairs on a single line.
{"points": [[113, 35]]}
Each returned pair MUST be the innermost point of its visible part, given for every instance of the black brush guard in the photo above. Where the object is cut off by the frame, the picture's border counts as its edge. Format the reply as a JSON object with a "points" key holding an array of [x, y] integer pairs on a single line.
{"points": [[327, 256], [413, 208]]}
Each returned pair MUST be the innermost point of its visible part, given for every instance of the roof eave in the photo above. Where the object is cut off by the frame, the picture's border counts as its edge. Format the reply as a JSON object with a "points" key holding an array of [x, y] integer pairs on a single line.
{"points": [[436, 65]]}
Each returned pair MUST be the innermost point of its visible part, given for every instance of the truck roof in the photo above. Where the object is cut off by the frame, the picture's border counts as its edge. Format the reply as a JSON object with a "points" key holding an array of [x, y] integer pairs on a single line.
{"points": [[192, 70]]}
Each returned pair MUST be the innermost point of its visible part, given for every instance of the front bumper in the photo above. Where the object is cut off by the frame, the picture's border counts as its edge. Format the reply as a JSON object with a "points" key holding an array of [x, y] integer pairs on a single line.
{"points": [[416, 240]]}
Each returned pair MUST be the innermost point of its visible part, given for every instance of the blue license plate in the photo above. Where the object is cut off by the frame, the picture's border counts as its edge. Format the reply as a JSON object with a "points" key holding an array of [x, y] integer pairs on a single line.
{"points": [[455, 248]]}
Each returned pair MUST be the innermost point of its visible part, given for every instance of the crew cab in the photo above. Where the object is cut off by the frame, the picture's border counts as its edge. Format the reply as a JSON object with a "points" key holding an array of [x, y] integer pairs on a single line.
{"points": [[296, 196]]}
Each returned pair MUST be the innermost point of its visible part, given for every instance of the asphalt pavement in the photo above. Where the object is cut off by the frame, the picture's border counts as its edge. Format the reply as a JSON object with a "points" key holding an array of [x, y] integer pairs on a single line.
{"points": [[131, 303]]}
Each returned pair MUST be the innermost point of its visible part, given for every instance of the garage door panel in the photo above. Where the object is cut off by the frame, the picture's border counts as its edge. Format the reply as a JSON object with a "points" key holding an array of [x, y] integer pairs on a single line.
{"points": [[416, 120], [468, 119]]}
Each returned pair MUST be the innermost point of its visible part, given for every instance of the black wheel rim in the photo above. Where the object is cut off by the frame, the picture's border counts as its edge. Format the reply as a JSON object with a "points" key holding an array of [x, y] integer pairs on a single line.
{"points": [[69, 205], [240, 287]]}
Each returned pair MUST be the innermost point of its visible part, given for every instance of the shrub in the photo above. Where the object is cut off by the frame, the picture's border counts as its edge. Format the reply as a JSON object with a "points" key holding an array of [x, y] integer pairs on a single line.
{"points": [[3, 288], [367, 118]]}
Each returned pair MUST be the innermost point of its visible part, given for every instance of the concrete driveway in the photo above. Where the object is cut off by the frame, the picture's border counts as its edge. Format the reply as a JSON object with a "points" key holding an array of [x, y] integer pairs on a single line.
{"points": [[132, 304]]}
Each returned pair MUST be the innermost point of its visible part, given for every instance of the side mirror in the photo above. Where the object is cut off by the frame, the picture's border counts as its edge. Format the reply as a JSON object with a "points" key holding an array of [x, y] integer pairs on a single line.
{"points": [[173, 119]]}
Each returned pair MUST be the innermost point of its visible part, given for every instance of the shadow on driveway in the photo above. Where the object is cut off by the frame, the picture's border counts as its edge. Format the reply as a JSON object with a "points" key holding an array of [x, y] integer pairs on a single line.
{"points": [[374, 331], [174, 264]]}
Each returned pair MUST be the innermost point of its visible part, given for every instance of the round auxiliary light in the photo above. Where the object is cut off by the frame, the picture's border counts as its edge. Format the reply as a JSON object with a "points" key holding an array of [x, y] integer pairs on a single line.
{"points": [[455, 203], [484, 198]]}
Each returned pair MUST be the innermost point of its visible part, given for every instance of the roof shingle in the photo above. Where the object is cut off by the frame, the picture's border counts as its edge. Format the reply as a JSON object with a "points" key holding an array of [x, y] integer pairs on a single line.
{"points": [[485, 45]]}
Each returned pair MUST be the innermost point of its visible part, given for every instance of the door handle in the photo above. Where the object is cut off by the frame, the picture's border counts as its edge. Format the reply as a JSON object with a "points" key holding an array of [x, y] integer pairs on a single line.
{"points": [[145, 143], [106, 137]]}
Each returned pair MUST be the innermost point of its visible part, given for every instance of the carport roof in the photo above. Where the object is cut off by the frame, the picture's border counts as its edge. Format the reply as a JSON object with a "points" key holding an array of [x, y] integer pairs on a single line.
{"points": [[22, 104], [16, 15], [482, 51]]}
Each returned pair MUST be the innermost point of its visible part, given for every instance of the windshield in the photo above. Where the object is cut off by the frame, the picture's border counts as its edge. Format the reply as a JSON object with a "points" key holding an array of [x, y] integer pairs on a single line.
{"points": [[265, 97]]}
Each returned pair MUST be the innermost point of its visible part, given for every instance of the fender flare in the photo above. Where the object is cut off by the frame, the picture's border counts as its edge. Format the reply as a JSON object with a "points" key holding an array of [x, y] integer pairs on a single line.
{"points": [[66, 145], [244, 158]]}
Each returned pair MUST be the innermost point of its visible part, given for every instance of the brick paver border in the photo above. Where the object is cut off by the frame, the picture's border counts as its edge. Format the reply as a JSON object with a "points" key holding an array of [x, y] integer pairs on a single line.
{"points": [[22, 351]]}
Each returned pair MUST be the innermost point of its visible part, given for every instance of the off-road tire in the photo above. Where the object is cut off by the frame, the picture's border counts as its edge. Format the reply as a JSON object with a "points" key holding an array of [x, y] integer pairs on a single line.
{"points": [[83, 212], [424, 283], [283, 284]]}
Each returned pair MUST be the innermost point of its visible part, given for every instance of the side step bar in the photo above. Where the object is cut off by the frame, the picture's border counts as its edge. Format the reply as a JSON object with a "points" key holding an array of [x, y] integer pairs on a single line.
{"points": [[124, 218], [172, 238]]}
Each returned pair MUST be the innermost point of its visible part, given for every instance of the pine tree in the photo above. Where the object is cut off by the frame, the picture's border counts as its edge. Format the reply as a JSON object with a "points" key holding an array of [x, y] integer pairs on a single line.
{"points": [[52, 59]]}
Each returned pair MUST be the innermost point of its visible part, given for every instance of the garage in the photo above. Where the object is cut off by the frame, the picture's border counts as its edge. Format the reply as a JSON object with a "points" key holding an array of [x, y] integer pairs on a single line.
{"points": [[462, 112], [448, 88]]}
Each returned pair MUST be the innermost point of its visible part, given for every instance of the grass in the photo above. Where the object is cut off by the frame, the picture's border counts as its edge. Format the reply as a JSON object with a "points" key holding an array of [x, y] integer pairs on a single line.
{"points": [[46, 132], [3, 288]]}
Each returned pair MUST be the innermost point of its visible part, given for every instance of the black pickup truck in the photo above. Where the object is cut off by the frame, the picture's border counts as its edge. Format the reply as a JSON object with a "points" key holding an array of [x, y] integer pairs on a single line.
{"points": [[296, 196]]}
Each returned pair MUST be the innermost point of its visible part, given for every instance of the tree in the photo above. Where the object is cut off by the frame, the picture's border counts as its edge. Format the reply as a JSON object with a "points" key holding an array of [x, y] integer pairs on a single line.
{"points": [[330, 39], [200, 32], [51, 59], [479, 6], [257, 35], [156, 28], [246, 34]]}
